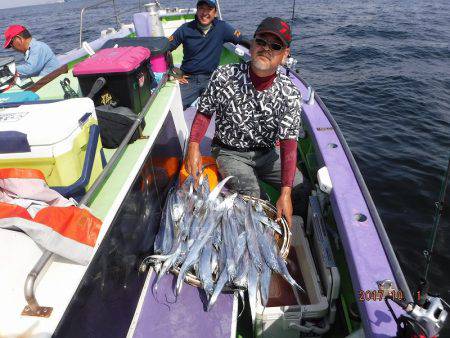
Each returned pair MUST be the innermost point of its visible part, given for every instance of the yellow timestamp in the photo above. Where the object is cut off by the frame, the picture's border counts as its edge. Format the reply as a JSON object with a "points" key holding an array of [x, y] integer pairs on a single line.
{"points": [[379, 295]]}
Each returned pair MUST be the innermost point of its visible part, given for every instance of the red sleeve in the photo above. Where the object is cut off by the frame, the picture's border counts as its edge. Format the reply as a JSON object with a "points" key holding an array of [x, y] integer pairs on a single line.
{"points": [[288, 153], [199, 127]]}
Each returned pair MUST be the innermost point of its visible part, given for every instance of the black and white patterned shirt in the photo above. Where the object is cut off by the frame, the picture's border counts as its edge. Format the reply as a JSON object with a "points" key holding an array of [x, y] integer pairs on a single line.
{"points": [[247, 118]]}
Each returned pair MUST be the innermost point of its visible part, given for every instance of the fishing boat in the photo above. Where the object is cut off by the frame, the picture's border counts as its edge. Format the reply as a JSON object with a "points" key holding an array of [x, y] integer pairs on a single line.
{"points": [[341, 253]]}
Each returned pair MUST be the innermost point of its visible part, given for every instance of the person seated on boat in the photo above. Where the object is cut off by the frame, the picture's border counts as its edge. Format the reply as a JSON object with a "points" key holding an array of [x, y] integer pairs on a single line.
{"points": [[256, 105], [202, 40], [39, 58]]}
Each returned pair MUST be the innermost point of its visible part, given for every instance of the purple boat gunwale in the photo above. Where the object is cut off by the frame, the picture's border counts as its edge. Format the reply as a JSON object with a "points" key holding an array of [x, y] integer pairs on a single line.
{"points": [[364, 250]]}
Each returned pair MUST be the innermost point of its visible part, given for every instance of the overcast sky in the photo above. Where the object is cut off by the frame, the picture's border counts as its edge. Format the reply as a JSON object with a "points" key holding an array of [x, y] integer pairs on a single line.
{"points": [[18, 3]]}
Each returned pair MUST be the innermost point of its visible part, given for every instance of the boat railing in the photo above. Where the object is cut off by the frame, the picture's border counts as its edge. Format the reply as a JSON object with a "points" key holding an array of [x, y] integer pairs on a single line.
{"points": [[33, 308], [116, 15]]}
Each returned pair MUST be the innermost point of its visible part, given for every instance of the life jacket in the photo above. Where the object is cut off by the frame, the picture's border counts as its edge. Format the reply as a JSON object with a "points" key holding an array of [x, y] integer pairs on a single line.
{"points": [[51, 220]]}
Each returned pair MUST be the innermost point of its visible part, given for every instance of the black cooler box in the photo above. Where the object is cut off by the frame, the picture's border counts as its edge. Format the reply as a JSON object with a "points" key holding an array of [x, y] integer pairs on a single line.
{"points": [[126, 70]]}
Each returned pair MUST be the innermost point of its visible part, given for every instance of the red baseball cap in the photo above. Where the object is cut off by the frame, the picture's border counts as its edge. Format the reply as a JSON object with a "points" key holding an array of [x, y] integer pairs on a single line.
{"points": [[278, 27], [11, 32]]}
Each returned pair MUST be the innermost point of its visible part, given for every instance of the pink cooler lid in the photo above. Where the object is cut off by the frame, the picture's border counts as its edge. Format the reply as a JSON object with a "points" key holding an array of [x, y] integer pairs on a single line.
{"points": [[112, 60]]}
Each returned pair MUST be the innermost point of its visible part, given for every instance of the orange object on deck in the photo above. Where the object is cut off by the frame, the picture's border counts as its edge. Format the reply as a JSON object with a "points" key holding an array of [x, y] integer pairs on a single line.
{"points": [[209, 168]]}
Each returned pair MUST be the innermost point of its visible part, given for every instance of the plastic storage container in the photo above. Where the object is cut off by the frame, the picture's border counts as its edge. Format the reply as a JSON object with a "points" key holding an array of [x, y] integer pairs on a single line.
{"points": [[148, 23], [126, 70], [289, 312], [60, 139], [158, 46]]}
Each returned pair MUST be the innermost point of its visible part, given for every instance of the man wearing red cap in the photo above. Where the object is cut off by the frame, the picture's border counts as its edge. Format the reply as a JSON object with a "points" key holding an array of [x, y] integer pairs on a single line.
{"points": [[255, 105], [39, 60]]}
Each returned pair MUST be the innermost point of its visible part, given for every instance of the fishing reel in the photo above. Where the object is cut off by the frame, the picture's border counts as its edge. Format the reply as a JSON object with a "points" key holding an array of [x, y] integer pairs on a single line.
{"points": [[7, 73], [425, 317]]}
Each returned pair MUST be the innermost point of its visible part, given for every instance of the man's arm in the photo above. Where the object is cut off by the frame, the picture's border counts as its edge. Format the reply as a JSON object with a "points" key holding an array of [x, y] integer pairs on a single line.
{"points": [[207, 106], [290, 128], [198, 130], [288, 154], [34, 64], [176, 39]]}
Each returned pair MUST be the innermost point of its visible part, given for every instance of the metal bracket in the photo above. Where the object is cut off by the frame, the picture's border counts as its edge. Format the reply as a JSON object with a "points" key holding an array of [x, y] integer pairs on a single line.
{"points": [[39, 311], [387, 286], [310, 100]]}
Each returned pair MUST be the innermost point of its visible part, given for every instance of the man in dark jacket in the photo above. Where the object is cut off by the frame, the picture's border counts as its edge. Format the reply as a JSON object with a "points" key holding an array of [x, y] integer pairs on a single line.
{"points": [[202, 40]]}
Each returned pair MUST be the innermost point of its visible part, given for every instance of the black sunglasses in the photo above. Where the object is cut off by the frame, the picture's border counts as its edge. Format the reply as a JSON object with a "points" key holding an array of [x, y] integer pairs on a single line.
{"points": [[272, 45]]}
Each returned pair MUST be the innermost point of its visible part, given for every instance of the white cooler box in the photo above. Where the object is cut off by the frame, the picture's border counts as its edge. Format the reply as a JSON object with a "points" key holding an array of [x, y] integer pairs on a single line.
{"points": [[284, 317], [60, 139]]}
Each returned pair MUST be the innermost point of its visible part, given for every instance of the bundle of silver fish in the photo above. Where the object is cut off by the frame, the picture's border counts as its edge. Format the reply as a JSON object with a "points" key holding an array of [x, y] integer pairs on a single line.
{"points": [[222, 239]]}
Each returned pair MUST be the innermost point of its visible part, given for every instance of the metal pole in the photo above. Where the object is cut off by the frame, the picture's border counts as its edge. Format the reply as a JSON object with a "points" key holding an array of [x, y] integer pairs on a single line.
{"points": [[116, 15], [293, 12], [81, 27], [218, 10], [29, 282]]}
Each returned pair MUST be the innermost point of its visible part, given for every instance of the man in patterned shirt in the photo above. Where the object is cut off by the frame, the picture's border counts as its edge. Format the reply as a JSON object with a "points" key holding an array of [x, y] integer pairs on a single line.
{"points": [[255, 105]]}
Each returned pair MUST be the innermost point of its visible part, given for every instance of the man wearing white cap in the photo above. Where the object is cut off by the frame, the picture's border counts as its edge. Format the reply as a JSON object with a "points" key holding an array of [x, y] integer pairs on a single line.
{"points": [[202, 40]]}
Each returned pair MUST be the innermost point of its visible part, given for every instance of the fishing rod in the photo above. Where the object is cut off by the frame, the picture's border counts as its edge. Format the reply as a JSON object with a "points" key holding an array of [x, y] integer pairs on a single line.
{"points": [[427, 315], [437, 218], [293, 12]]}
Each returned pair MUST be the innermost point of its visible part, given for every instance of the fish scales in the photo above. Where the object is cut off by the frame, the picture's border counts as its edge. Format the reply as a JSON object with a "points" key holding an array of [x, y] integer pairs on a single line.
{"points": [[223, 278], [193, 254], [164, 237], [205, 271], [228, 245], [264, 284], [253, 277], [252, 241], [221, 238]]}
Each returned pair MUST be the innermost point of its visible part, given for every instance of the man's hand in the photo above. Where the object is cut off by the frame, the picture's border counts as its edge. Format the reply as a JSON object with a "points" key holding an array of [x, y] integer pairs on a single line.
{"points": [[183, 79], [194, 160], [178, 75], [284, 205]]}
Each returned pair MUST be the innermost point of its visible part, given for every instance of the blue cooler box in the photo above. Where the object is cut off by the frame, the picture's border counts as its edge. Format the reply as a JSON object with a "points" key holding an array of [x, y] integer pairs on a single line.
{"points": [[14, 97]]}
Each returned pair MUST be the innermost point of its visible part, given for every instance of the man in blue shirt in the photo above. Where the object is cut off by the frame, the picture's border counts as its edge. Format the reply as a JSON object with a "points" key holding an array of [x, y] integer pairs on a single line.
{"points": [[202, 41], [39, 58]]}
